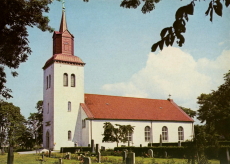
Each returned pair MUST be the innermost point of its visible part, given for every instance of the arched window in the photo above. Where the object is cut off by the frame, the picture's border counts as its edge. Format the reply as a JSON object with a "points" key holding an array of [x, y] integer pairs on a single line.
{"points": [[48, 108], [65, 79], [165, 133], [49, 81], [69, 106], [147, 134], [69, 135], [72, 80], [180, 133]]}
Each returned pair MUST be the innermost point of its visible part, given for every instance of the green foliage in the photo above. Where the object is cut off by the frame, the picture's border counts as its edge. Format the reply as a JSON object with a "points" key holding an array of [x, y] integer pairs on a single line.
{"points": [[32, 159], [214, 110], [169, 34], [35, 123], [119, 134], [158, 152], [16, 16], [189, 112], [74, 149], [12, 124]]}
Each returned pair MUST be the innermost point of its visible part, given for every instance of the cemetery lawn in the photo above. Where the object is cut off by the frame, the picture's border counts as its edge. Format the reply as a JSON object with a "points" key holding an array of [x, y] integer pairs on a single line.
{"points": [[34, 159]]}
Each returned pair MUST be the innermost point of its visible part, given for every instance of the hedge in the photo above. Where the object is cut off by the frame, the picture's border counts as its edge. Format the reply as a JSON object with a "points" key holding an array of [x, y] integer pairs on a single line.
{"points": [[74, 149], [159, 152], [185, 144]]}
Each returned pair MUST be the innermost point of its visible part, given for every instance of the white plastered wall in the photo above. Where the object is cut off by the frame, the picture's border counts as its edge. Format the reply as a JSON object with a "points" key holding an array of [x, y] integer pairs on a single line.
{"points": [[48, 99], [138, 135], [63, 120]]}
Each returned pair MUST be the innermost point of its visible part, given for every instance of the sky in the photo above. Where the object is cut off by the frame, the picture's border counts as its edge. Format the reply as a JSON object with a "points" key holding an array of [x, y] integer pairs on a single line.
{"points": [[115, 43]]}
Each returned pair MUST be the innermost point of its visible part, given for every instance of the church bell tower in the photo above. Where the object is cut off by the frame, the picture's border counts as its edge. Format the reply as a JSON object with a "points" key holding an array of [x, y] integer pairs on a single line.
{"points": [[63, 90]]}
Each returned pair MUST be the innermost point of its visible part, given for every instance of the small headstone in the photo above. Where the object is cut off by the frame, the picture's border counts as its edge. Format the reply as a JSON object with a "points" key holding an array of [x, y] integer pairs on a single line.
{"points": [[98, 157], [92, 146], [166, 154], [97, 148], [69, 155], [49, 153], [86, 160], [60, 160], [102, 148], [140, 145], [124, 155], [130, 158], [43, 156], [179, 143], [224, 156], [160, 140], [150, 153]]}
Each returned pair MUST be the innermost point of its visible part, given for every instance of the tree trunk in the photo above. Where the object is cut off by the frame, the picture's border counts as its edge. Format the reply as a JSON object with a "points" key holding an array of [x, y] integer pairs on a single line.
{"points": [[10, 157]]}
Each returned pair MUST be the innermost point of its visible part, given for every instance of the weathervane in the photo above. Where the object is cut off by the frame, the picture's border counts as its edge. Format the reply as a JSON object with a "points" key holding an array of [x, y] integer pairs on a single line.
{"points": [[63, 2], [169, 96]]}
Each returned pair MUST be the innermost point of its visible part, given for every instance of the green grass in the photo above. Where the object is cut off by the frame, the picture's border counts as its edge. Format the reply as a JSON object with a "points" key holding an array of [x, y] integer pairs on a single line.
{"points": [[34, 159]]}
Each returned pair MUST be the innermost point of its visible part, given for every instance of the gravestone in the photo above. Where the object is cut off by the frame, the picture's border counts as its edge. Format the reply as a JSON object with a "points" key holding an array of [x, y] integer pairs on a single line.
{"points": [[49, 153], [140, 145], [160, 140], [92, 146], [43, 156], [98, 157], [124, 156], [97, 148], [150, 153], [179, 143], [86, 160], [60, 160], [68, 155], [130, 158], [166, 154], [102, 148], [224, 156]]}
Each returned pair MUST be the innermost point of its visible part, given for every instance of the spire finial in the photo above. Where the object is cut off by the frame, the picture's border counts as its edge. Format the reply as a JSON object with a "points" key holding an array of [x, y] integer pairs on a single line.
{"points": [[63, 3], [63, 25], [170, 96]]}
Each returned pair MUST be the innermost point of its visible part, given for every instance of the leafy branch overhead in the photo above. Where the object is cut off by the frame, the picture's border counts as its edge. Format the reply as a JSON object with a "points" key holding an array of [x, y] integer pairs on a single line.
{"points": [[16, 16], [169, 34]]}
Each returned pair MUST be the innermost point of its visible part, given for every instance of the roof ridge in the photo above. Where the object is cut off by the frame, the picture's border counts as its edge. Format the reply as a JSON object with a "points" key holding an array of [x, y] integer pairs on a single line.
{"points": [[125, 96]]}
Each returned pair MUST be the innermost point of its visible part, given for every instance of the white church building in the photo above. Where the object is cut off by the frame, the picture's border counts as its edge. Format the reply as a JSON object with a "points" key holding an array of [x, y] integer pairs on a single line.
{"points": [[72, 117]]}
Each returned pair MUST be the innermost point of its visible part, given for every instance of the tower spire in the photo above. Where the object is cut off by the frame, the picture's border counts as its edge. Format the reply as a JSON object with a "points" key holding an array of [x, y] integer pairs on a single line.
{"points": [[63, 25]]}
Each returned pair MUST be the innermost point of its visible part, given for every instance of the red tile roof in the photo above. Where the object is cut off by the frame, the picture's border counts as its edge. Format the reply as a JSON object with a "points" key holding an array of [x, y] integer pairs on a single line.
{"points": [[71, 59], [128, 108]]}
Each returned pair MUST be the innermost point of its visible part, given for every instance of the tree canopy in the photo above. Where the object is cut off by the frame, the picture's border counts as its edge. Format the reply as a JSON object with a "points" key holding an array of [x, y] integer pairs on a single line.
{"points": [[16, 16], [214, 109], [189, 112], [119, 134], [12, 123], [35, 123]]}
